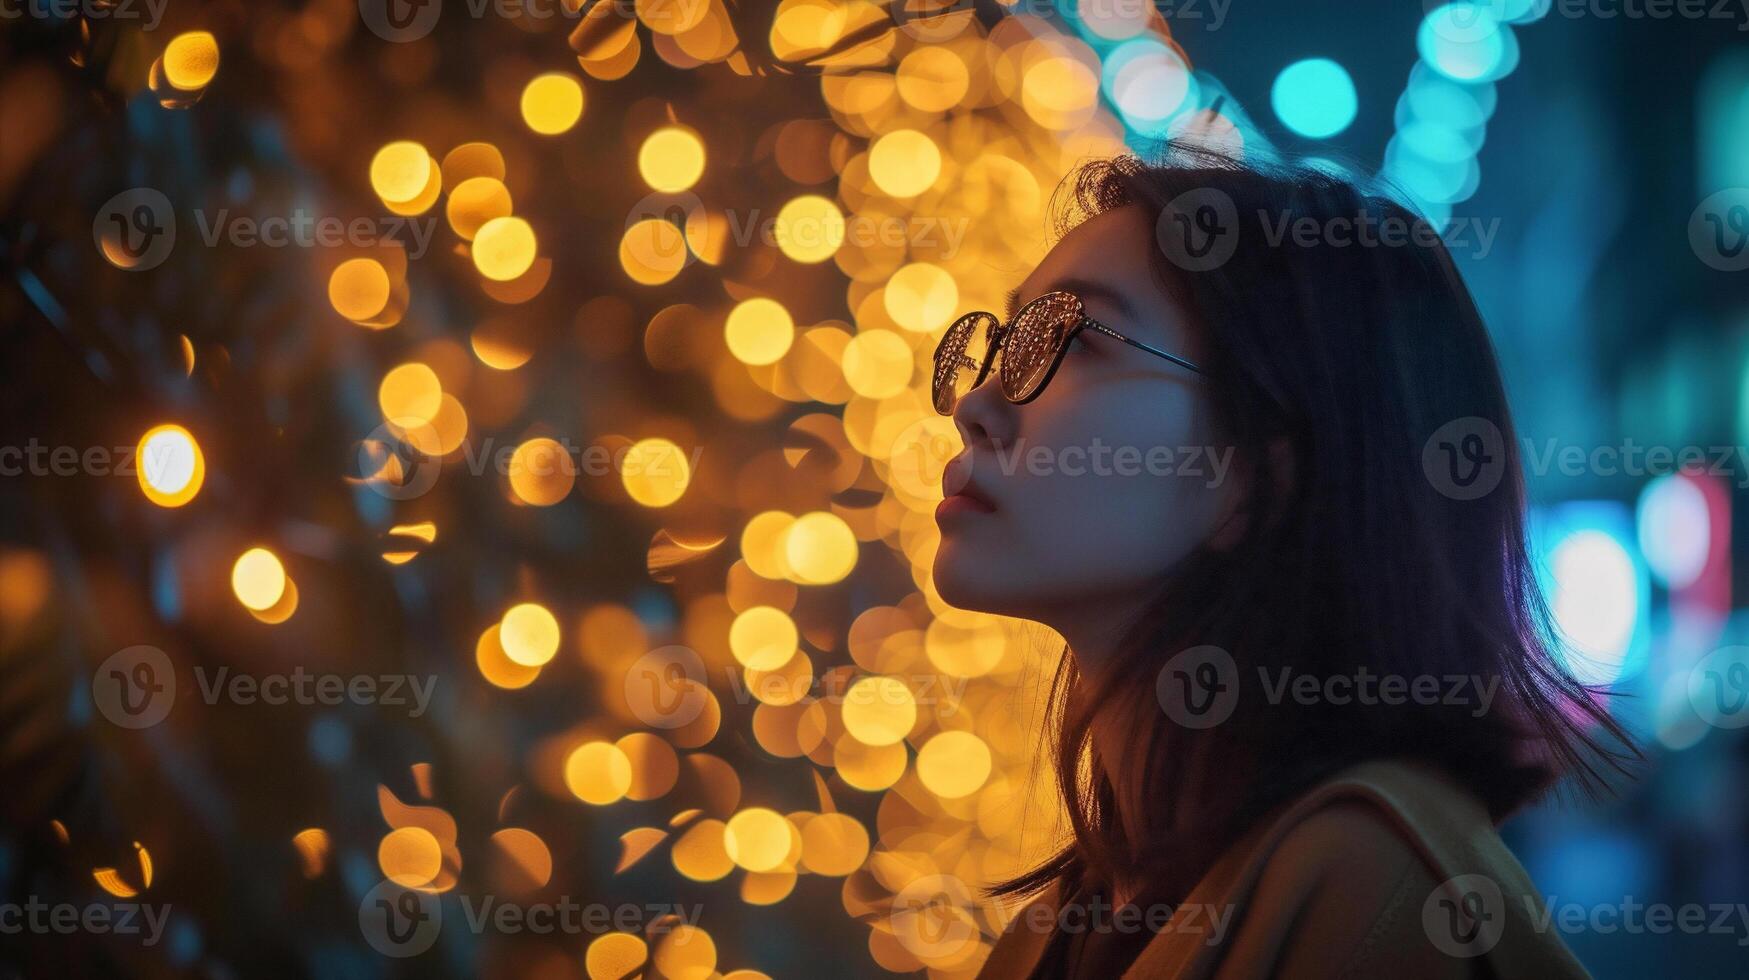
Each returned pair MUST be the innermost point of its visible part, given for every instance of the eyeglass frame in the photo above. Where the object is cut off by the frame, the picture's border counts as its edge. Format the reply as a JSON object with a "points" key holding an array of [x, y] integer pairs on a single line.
{"points": [[1000, 332]]}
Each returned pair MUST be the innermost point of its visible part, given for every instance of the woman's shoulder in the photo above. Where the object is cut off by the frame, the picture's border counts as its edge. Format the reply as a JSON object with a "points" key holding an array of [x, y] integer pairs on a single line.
{"points": [[1389, 868]]}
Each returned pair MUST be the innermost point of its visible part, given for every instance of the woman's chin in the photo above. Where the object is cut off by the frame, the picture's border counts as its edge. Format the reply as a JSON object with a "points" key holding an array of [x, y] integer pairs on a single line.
{"points": [[961, 577]]}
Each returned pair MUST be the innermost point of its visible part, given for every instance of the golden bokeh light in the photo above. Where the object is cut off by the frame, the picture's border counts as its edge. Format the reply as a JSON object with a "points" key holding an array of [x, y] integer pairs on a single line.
{"points": [[655, 472], [904, 163], [401, 171], [410, 393], [878, 363], [879, 710], [685, 952], [552, 103], [809, 228], [834, 844], [542, 472], [258, 579], [359, 289], [759, 331], [933, 79], [953, 764], [504, 248], [700, 854], [763, 638], [652, 251], [529, 633], [169, 465], [496, 666], [655, 767], [764, 544], [475, 201], [598, 773], [671, 159], [820, 548], [922, 297], [191, 59], [410, 856], [758, 839], [615, 956]]}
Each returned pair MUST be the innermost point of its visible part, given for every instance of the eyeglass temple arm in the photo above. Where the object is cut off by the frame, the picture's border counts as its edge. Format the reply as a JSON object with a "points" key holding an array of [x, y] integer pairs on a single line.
{"points": [[1157, 352]]}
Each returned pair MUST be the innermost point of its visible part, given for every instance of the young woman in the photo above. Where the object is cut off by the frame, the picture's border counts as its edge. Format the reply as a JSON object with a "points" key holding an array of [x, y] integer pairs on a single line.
{"points": [[1243, 442]]}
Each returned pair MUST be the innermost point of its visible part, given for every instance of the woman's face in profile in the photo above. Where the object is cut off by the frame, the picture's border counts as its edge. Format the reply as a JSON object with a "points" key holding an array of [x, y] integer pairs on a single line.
{"points": [[1087, 494]]}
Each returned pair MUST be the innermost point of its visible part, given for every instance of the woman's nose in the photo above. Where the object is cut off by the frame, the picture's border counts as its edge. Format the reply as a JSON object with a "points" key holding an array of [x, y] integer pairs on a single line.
{"points": [[982, 415]]}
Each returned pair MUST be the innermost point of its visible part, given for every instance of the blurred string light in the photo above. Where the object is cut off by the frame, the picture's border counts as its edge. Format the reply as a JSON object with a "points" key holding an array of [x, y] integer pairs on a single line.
{"points": [[909, 720], [552, 103], [1441, 117], [1314, 98], [189, 63], [1599, 589], [169, 465], [1675, 529]]}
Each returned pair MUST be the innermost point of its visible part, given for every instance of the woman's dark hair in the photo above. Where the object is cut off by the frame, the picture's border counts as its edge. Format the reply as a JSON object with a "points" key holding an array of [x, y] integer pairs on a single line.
{"points": [[1334, 362]]}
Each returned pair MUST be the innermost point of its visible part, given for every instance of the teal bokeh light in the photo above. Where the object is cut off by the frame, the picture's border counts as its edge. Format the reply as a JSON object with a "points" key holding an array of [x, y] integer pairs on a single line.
{"points": [[1314, 98]]}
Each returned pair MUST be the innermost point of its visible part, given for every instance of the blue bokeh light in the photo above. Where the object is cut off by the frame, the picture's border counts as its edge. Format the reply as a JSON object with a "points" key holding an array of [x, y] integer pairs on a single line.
{"points": [[1314, 98]]}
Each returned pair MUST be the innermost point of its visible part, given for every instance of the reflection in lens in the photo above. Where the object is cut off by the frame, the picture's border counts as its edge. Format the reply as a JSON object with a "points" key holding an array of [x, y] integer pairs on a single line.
{"points": [[1034, 341], [960, 358]]}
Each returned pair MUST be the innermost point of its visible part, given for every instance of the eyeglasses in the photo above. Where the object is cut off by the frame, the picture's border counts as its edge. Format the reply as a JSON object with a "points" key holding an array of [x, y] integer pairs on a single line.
{"points": [[1032, 345]]}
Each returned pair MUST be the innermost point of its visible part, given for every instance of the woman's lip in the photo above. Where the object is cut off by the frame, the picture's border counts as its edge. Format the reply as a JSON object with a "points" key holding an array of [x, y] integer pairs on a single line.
{"points": [[961, 503]]}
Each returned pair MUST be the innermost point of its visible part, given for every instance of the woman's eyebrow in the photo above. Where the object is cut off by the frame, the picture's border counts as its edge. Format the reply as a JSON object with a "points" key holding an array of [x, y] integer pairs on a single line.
{"points": [[1084, 288], [1088, 289]]}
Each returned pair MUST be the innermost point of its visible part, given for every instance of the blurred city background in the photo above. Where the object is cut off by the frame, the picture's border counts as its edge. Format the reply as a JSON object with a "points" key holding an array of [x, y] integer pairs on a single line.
{"points": [[485, 447]]}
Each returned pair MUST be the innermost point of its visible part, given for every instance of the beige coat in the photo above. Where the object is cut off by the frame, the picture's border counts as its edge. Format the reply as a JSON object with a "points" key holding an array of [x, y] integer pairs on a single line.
{"points": [[1389, 869]]}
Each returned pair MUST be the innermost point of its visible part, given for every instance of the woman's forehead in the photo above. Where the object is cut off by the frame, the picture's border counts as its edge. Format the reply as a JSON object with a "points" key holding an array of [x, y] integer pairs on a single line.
{"points": [[1107, 260]]}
